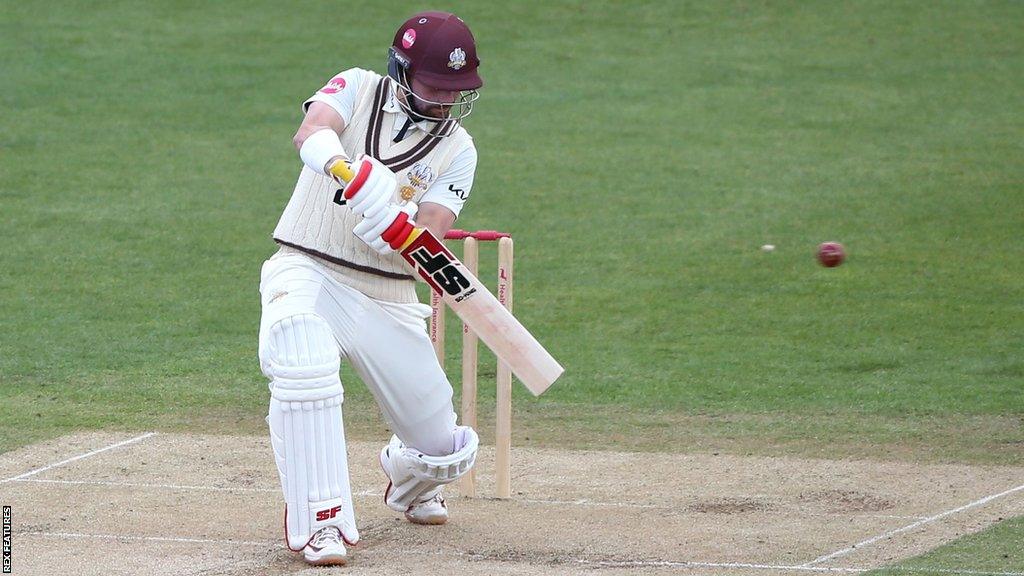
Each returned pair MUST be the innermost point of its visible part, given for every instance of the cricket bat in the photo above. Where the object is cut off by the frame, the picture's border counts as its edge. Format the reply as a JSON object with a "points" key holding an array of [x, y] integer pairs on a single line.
{"points": [[475, 305]]}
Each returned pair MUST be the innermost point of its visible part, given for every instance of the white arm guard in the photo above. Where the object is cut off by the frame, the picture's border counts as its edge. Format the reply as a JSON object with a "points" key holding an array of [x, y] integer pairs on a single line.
{"points": [[318, 149], [416, 477]]}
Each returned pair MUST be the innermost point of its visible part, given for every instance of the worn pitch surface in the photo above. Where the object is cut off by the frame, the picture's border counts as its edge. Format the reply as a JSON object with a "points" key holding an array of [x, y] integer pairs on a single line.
{"points": [[184, 504]]}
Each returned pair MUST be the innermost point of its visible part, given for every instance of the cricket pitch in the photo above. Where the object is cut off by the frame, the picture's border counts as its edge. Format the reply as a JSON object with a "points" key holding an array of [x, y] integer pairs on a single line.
{"points": [[176, 504]]}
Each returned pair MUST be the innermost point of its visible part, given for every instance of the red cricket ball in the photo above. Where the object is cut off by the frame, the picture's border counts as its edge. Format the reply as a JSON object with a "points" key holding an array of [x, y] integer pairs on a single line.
{"points": [[831, 254]]}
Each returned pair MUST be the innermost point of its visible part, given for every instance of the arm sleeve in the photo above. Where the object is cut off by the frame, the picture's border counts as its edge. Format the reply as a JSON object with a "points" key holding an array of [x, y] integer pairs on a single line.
{"points": [[451, 189], [339, 93]]}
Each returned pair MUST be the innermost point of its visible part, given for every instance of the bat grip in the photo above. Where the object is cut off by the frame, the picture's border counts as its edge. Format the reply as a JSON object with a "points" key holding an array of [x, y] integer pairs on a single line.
{"points": [[413, 235], [341, 170]]}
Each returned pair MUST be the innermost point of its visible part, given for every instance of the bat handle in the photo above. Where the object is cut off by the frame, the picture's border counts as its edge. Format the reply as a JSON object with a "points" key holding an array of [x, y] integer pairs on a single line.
{"points": [[413, 235], [341, 169]]}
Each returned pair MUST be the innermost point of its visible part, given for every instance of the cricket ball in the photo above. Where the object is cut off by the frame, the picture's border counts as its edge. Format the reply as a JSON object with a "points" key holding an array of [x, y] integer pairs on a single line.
{"points": [[831, 254]]}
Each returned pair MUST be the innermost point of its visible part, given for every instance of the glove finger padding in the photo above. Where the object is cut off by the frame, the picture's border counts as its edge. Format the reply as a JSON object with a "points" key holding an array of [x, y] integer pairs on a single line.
{"points": [[371, 229], [397, 233], [373, 186], [364, 230], [382, 247], [383, 220], [371, 209]]}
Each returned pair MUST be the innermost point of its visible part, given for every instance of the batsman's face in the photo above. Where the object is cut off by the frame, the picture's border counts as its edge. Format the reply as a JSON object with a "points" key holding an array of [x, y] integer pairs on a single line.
{"points": [[443, 99]]}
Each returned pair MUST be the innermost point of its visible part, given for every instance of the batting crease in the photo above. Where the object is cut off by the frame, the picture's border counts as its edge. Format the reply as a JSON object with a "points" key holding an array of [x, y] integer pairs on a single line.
{"points": [[581, 561], [919, 523], [806, 567], [149, 538], [372, 494], [79, 457]]}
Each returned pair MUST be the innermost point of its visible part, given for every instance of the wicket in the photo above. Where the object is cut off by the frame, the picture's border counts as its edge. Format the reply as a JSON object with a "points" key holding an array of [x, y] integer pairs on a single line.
{"points": [[470, 345]]}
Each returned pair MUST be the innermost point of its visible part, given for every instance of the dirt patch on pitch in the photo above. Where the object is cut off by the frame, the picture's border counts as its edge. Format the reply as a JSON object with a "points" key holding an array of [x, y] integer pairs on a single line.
{"points": [[838, 501], [730, 506], [189, 505]]}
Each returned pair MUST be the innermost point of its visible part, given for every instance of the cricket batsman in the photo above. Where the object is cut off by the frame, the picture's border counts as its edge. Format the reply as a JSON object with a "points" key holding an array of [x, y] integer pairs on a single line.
{"points": [[336, 288]]}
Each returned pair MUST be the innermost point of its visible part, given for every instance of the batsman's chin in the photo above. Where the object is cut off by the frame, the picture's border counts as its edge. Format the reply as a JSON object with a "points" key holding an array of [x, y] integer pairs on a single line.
{"points": [[436, 112]]}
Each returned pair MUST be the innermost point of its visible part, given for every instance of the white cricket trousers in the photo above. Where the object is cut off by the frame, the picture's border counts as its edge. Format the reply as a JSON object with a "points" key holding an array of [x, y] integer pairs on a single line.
{"points": [[386, 344]]}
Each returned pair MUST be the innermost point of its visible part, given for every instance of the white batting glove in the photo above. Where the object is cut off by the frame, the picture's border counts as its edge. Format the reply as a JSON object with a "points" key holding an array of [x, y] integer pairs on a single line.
{"points": [[372, 188], [387, 229]]}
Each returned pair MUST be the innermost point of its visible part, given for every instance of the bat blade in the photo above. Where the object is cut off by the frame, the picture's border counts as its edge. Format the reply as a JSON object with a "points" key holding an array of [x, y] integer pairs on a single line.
{"points": [[480, 310]]}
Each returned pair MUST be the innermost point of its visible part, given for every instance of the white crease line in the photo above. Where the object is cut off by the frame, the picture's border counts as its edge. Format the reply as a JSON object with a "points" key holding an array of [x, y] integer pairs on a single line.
{"points": [[373, 494], [79, 457], [175, 486], [474, 555], [601, 563], [147, 538], [908, 527], [141, 485], [367, 493]]}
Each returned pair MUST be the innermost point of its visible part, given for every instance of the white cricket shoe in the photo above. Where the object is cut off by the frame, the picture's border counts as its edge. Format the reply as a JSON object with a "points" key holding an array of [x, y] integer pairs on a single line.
{"points": [[326, 548], [431, 511]]}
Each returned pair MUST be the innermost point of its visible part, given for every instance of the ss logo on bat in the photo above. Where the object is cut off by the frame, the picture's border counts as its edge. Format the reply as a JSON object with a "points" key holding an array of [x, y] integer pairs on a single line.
{"points": [[444, 273]]}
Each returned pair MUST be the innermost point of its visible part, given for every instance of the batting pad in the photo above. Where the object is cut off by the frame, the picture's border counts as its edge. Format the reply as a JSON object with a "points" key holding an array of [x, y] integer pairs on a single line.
{"points": [[416, 477], [306, 429]]}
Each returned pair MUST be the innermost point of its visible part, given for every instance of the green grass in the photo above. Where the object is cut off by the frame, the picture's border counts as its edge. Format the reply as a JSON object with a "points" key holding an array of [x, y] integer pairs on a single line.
{"points": [[640, 153], [992, 551], [640, 156]]}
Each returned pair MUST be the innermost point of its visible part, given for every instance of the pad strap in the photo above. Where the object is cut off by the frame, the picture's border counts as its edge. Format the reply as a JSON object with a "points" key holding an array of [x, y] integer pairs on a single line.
{"points": [[416, 477]]}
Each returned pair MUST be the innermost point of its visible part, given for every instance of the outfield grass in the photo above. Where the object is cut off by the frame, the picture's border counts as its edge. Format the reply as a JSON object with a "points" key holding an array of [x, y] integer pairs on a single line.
{"points": [[640, 154]]}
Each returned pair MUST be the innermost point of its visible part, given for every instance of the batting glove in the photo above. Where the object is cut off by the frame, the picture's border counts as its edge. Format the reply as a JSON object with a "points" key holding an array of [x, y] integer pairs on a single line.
{"points": [[389, 228], [372, 188]]}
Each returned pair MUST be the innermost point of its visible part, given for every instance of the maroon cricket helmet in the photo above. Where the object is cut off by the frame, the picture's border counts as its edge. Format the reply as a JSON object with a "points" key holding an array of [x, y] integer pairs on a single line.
{"points": [[437, 49]]}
